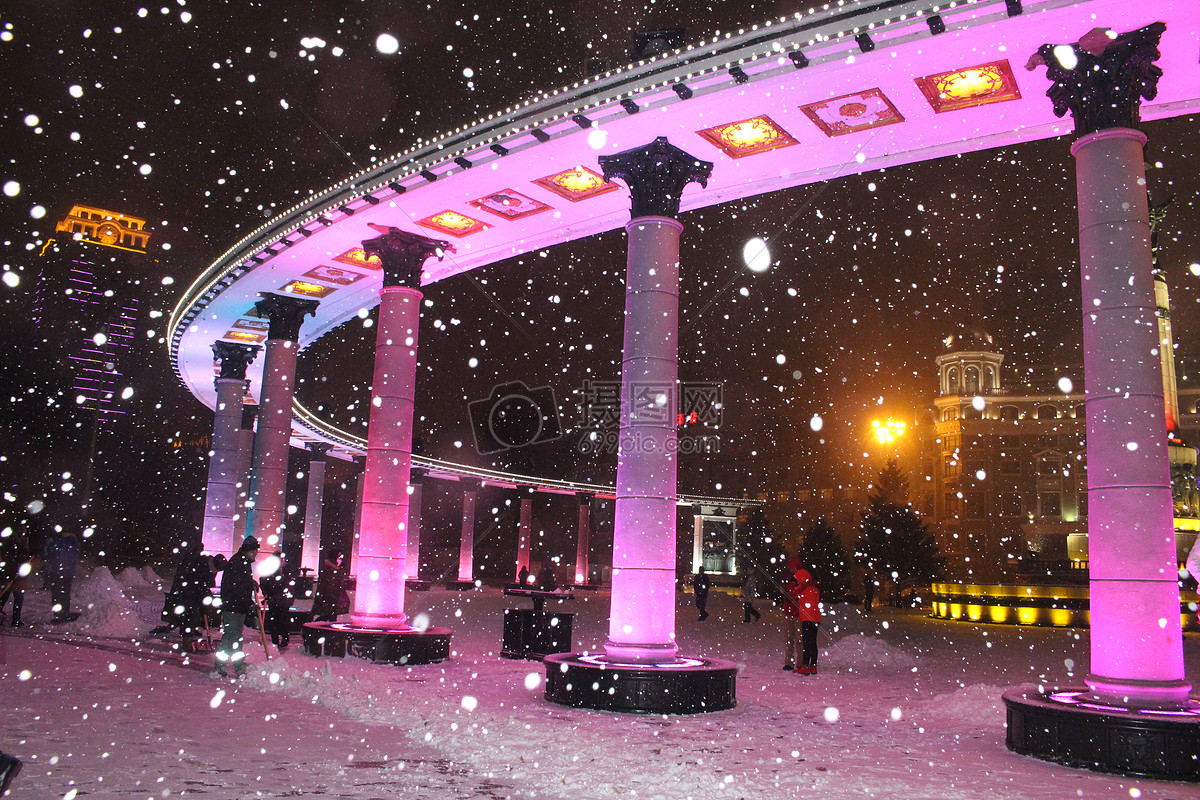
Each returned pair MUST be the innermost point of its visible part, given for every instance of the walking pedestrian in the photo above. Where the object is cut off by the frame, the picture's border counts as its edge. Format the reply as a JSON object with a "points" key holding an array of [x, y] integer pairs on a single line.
{"points": [[61, 562], [869, 586], [700, 586], [14, 569], [238, 591], [749, 593]]}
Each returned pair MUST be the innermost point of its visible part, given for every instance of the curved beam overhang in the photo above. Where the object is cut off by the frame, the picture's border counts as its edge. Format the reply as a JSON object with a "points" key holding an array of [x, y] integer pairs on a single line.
{"points": [[867, 57]]}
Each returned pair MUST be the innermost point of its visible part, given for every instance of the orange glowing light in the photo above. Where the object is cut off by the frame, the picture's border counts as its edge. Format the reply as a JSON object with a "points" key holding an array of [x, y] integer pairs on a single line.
{"points": [[748, 137], [453, 223], [575, 184], [244, 336], [887, 432], [307, 289], [970, 86], [357, 257]]}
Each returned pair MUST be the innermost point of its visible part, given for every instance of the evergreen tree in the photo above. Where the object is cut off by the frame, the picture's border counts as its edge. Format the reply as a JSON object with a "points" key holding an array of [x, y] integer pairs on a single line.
{"points": [[823, 555], [759, 547], [895, 544]]}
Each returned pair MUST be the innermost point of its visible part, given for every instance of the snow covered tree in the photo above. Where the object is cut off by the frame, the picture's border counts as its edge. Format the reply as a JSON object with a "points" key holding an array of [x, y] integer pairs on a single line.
{"points": [[896, 544], [823, 555]]}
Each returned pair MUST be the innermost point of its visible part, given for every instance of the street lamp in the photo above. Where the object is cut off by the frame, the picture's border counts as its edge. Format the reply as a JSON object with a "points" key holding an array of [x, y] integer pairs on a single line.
{"points": [[888, 432]]}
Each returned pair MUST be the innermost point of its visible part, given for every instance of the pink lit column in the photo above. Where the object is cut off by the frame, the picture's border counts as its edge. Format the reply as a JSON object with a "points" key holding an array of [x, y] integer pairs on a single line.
{"points": [[361, 463], [524, 537], [382, 558], [642, 612], [582, 544], [415, 483], [466, 550], [245, 458], [1136, 640], [268, 472], [221, 495], [310, 551]]}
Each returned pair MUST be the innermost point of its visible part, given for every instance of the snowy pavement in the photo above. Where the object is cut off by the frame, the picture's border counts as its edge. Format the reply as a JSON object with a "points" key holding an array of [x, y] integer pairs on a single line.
{"points": [[904, 707]]}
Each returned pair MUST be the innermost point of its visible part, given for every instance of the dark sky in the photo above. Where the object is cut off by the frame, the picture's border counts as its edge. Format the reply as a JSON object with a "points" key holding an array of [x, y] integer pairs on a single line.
{"points": [[174, 113]]}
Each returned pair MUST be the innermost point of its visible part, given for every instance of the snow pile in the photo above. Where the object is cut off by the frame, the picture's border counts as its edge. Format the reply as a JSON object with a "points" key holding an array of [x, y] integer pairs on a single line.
{"points": [[132, 578], [978, 706], [861, 652], [105, 609]]}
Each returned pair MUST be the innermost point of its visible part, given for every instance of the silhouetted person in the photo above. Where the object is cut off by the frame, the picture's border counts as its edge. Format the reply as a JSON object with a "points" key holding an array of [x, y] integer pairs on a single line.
{"points": [[238, 591], [277, 589], [332, 597], [62, 560], [869, 585], [700, 585], [14, 569], [749, 593]]}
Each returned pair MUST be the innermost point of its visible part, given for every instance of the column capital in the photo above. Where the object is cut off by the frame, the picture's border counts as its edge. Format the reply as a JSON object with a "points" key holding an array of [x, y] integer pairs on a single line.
{"points": [[656, 175], [317, 450], [285, 314], [403, 254], [1101, 78], [234, 358]]}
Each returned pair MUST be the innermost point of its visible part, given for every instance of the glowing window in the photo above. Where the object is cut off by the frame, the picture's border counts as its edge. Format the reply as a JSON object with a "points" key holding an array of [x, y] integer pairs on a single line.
{"points": [[748, 137], [970, 86], [577, 183], [453, 223]]}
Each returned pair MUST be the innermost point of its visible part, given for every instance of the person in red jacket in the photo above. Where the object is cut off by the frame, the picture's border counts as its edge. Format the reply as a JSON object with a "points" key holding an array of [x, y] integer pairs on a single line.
{"points": [[808, 605], [802, 611]]}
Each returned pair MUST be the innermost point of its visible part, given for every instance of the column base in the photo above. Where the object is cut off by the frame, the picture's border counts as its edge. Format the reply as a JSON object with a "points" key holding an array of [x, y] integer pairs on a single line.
{"points": [[680, 686], [462, 586], [1068, 726], [401, 646]]}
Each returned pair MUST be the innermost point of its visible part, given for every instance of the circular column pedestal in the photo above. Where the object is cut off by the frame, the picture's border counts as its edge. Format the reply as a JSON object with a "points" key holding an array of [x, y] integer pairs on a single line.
{"points": [[1066, 727], [404, 646], [682, 686]]}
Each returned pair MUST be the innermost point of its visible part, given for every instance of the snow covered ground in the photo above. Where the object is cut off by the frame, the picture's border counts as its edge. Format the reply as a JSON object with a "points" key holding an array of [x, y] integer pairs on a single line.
{"points": [[904, 707]]}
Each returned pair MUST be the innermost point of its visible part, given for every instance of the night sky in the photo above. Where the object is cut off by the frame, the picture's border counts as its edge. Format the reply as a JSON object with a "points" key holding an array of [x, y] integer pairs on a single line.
{"points": [[208, 119]]}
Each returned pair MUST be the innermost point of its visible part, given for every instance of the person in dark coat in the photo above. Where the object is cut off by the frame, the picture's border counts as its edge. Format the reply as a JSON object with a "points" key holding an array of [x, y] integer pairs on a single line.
{"points": [[14, 569], [277, 589], [238, 598], [190, 593], [700, 585], [62, 560], [332, 597], [749, 593], [869, 584]]}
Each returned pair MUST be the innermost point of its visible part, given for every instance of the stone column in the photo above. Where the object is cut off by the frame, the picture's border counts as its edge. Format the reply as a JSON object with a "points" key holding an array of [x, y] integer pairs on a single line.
{"points": [[642, 614], [245, 459], [416, 480], [221, 494], [361, 463], [310, 551], [268, 473], [524, 535], [466, 550], [383, 538], [697, 538], [582, 544], [1136, 640]]}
